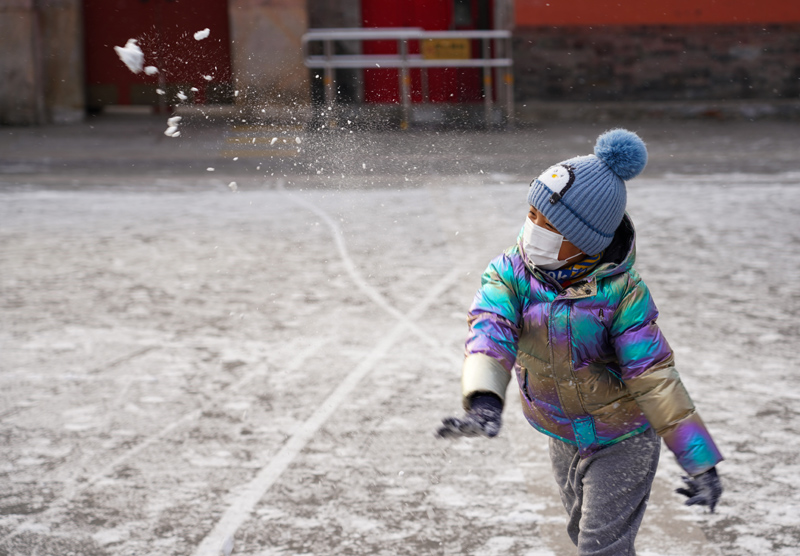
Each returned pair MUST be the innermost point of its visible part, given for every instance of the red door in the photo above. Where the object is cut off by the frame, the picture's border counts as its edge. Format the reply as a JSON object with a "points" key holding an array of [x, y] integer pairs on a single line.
{"points": [[165, 32], [444, 84]]}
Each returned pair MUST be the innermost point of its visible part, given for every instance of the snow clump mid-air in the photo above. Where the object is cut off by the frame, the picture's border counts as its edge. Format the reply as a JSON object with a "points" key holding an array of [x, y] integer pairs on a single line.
{"points": [[233, 187], [208, 77], [172, 127], [131, 55], [151, 70], [200, 35], [181, 96]]}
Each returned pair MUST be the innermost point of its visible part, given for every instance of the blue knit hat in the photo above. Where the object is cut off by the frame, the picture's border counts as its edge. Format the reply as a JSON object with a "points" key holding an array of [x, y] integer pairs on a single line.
{"points": [[585, 197]]}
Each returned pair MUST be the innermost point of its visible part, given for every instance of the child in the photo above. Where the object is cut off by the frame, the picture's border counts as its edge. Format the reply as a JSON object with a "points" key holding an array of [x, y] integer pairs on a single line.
{"points": [[565, 310]]}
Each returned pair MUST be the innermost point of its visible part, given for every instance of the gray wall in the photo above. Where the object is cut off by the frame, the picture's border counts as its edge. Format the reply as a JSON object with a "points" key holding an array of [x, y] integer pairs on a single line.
{"points": [[41, 66], [702, 62]]}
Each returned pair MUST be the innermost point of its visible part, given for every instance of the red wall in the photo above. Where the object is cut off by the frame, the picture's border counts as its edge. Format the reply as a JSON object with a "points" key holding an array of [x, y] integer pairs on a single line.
{"points": [[531, 13], [164, 29], [449, 85]]}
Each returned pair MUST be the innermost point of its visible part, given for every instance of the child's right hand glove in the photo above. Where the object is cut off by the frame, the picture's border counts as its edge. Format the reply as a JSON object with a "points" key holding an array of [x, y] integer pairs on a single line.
{"points": [[705, 489], [482, 419]]}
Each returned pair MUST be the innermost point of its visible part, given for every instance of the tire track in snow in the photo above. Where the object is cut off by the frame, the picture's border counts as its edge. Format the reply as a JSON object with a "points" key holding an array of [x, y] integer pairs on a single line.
{"points": [[75, 489], [359, 280], [220, 539], [242, 506]]}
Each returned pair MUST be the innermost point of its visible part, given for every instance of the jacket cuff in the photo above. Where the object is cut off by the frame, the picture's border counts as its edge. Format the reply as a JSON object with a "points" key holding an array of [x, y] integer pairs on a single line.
{"points": [[692, 445], [481, 373]]}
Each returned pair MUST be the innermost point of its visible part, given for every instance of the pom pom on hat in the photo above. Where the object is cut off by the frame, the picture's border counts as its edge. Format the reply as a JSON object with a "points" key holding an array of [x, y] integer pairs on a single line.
{"points": [[585, 197], [623, 151]]}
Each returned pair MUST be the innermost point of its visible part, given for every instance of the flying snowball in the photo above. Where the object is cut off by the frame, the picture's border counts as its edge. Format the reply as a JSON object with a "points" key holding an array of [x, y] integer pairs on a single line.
{"points": [[173, 121], [181, 96], [172, 131], [195, 90], [160, 92], [233, 187], [151, 70], [208, 77], [200, 35], [131, 55]]}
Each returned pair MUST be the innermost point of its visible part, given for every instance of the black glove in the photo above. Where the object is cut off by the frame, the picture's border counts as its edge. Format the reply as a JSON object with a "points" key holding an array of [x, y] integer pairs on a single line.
{"points": [[482, 419], [705, 489]]}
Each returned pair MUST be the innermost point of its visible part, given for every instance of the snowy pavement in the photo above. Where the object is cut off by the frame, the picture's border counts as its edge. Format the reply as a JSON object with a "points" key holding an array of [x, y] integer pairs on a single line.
{"points": [[183, 366]]}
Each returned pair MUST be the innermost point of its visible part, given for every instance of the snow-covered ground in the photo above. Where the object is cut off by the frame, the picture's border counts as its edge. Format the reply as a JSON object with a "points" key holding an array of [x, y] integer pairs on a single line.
{"points": [[180, 368]]}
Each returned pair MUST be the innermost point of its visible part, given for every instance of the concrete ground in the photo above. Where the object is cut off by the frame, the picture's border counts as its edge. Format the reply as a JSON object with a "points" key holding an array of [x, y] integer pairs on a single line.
{"points": [[190, 366]]}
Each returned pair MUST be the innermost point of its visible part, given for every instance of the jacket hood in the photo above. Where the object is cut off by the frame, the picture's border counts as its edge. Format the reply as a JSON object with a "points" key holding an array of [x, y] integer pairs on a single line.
{"points": [[620, 253]]}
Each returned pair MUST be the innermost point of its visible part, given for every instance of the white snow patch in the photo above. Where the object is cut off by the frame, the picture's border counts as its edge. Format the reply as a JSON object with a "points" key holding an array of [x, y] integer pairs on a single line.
{"points": [[181, 96], [200, 35], [208, 77], [131, 55], [151, 70], [29, 461], [110, 536], [78, 427], [211, 461]]}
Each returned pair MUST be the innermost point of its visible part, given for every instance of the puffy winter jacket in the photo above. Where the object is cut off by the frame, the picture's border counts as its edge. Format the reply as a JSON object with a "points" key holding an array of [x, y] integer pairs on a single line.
{"points": [[592, 364]]}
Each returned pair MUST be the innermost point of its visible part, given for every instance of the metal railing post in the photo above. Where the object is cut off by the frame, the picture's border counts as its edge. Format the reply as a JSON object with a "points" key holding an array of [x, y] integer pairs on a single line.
{"points": [[327, 77], [487, 82], [405, 83], [508, 79]]}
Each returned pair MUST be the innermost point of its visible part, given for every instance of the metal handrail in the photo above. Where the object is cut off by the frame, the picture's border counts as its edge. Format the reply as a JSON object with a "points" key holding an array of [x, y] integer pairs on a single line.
{"points": [[404, 61], [406, 33]]}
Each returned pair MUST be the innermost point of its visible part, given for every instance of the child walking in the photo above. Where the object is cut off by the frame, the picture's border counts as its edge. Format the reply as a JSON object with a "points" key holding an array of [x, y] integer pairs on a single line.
{"points": [[565, 311]]}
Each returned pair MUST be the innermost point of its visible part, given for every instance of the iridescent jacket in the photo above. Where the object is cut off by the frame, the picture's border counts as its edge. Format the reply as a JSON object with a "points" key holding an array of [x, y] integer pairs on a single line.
{"points": [[592, 364]]}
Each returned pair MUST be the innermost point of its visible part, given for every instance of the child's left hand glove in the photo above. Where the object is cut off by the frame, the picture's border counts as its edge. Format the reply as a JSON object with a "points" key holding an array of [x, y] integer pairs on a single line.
{"points": [[482, 419], [705, 489]]}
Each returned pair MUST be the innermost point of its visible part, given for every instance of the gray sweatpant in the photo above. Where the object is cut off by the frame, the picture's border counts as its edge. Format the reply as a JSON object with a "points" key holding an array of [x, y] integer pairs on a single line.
{"points": [[605, 494]]}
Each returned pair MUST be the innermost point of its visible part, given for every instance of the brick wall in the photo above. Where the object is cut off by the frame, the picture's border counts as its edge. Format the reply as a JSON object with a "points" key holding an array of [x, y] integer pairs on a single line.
{"points": [[658, 62]]}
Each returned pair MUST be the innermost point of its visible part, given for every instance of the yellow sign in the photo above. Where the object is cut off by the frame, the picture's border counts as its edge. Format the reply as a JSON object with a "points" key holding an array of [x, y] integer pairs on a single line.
{"points": [[446, 49]]}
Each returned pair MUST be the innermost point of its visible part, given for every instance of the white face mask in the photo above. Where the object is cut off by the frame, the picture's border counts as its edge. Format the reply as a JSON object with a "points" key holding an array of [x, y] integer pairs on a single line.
{"points": [[542, 246]]}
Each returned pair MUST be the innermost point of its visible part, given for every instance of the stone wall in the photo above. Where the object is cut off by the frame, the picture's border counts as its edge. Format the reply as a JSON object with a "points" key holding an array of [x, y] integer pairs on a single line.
{"points": [[266, 51], [62, 60], [41, 68], [710, 62], [21, 91], [334, 13]]}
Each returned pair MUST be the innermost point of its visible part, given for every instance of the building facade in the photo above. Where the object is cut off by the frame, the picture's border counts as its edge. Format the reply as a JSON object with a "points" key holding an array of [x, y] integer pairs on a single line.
{"points": [[57, 60]]}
